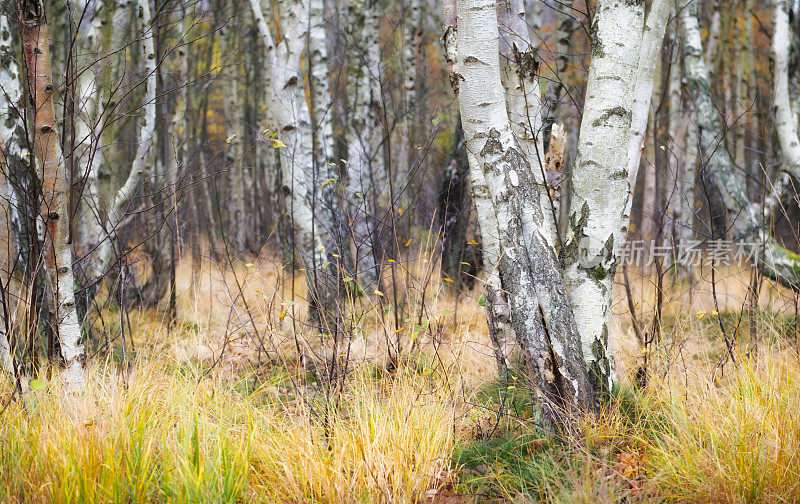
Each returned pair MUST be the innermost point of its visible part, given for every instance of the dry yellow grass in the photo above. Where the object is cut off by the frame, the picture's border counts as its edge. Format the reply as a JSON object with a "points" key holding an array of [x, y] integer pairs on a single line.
{"points": [[194, 423], [164, 435], [737, 442]]}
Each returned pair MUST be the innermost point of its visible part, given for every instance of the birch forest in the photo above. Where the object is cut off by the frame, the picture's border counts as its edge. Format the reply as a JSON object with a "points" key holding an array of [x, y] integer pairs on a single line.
{"points": [[383, 251]]}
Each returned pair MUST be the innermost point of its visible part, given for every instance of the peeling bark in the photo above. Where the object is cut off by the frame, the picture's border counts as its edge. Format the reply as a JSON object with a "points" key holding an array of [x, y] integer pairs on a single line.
{"points": [[541, 316], [54, 187], [599, 214], [520, 76]]}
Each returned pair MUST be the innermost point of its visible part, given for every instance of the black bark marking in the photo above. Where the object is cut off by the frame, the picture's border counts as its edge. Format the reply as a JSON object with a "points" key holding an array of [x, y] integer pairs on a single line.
{"points": [[608, 114]]}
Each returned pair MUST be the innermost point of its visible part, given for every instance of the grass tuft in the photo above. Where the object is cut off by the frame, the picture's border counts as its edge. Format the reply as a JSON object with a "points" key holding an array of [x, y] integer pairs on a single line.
{"points": [[162, 436]]}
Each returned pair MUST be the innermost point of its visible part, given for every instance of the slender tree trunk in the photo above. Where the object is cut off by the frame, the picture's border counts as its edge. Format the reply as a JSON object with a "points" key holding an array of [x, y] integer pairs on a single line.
{"points": [[744, 67], [302, 184], [599, 215], [412, 36], [54, 187], [7, 363], [365, 136], [90, 96], [321, 99], [519, 71], [101, 262], [14, 134], [498, 311], [234, 124], [785, 118], [676, 133]]}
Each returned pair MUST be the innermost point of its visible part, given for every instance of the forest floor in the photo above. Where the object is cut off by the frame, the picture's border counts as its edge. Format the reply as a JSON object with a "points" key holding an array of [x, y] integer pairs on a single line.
{"points": [[220, 407]]}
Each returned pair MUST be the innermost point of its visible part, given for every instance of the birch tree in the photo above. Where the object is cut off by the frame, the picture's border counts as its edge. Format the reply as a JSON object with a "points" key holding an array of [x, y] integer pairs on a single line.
{"points": [[529, 268], [102, 258], [560, 305], [785, 118], [88, 120], [412, 38], [7, 363], [624, 51], [302, 183], [14, 135], [229, 21], [365, 167], [54, 186]]}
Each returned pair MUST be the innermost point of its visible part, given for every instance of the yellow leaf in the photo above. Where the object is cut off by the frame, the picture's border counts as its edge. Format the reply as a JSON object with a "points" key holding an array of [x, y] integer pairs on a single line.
{"points": [[408, 242], [230, 138], [328, 182], [392, 260], [283, 315], [400, 211], [277, 144], [448, 280], [378, 293]]}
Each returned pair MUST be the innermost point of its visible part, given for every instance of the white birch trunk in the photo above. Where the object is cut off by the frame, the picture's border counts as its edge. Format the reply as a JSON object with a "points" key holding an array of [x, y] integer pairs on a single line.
{"points": [[540, 310], [364, 161], [713, 36], [412, 37], [785, 118], [89, 108], [674, 216], [688, 180], [644, 81], [14, 135], [321, 98], [498, 312], [302, 183], [234, 128], [6, 358], [118, 205], [55, 186], [519, 72], [599, 215], [744, 69]]}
